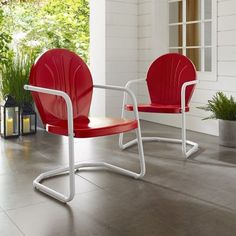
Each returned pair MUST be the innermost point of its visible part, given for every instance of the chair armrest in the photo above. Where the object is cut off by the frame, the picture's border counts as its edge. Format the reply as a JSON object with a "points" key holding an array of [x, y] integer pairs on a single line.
{"points": [[62, 94], [183, 92], [122, 89], [135, 81]]}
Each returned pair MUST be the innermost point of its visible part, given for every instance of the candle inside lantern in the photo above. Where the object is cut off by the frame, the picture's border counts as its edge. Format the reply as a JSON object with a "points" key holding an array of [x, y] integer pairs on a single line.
{"points": [[26, 124], [9, 127]]}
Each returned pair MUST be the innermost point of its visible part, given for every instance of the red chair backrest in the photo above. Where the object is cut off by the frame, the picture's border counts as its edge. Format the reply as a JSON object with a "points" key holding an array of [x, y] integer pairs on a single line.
{"points": [[166, 76], [63, 70]]}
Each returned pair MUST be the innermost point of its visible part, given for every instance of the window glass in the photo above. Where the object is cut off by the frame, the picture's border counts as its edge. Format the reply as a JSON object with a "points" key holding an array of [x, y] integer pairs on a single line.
{"points": [[175, 36], [193, 10], [175, 11], [208, 59], [194, 54], [193, 34], [207, 9], [208, 33]]}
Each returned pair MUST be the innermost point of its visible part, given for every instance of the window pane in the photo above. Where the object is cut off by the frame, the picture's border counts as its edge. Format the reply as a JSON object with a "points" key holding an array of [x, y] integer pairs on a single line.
{"points": [[208, 59], [180, 51], [175, 36], [208, 9], [193, 10], [208, 34], [194, 54], [175, 12], [193, 34]]}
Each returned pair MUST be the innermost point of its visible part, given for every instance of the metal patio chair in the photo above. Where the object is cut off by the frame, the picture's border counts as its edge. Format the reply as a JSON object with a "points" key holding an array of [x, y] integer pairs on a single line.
{"points": [[62, 88], [171, 80]]}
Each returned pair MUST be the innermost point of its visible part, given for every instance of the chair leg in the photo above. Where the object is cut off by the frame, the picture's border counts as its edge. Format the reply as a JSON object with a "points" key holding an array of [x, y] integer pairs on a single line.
{"points": [[141, 153], [185, 142], [183, 133], [74, 167], [70, 169]]}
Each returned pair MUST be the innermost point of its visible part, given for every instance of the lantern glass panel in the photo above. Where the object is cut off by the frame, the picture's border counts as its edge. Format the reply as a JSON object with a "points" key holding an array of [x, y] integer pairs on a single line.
{"points": [[28, 123], [32, 122], [12, 121]]}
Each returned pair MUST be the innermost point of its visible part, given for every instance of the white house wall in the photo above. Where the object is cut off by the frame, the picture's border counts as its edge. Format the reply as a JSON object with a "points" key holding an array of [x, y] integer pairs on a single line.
{"points": [[137, 32], [152, 21], [97, 52]]}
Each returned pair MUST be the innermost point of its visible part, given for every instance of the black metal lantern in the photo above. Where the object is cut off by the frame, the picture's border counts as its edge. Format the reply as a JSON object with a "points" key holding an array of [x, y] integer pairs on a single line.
{"points": [[28, 120], [10, 118]]}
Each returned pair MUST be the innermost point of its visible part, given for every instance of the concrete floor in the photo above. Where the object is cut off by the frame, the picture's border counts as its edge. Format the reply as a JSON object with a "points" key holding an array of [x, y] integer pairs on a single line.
{"points": [[176, 197]]}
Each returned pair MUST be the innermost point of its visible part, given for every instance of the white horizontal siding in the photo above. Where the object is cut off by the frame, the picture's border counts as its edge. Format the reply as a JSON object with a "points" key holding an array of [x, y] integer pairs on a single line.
{"points": [[127, 7], [227, 53], [226, 8], [227, 38], [227, 68], [121, 19], [227, 22], [121, 49], [121, 31]]}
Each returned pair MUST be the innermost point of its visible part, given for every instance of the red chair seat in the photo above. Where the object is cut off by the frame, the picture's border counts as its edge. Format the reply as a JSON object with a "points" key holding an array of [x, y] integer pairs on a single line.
{"points": [[94, 127], [157, 108]]}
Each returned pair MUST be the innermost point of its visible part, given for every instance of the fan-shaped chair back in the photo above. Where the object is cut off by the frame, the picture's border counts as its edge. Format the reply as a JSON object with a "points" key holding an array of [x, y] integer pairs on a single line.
{"points": [[63, 70], [166, 76]]}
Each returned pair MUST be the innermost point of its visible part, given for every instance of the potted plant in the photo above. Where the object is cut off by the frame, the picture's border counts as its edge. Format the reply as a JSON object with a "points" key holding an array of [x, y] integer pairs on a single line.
{"points": [[14, 76], [223, 109]]}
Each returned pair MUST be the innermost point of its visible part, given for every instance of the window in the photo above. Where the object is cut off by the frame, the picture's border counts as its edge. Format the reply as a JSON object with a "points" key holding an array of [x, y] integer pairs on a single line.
{"points": [[192, 32]]}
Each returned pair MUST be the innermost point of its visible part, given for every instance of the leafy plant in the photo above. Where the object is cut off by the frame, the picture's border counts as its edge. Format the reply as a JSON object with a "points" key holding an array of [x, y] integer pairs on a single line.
{"points": [[44, 24], [14, 76], [29, 27], [221, 106], [5, 39]]}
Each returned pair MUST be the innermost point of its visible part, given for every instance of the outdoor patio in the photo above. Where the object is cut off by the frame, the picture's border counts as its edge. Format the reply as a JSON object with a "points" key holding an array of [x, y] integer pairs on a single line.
{"points": [[176, 197]]}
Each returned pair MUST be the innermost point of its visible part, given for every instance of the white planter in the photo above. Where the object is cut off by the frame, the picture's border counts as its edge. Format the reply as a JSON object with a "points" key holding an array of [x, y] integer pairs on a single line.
{"points": [[227, 133]]}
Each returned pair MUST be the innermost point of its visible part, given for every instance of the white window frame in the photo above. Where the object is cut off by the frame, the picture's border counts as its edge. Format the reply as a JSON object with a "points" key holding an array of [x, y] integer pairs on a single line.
{"points": [[202, 75]]}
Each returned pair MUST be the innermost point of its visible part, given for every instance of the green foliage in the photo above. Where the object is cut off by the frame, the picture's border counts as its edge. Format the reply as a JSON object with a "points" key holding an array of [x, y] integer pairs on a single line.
{"points": [[14, 76], [30, 27], [65, 25], [41, 25], [221, 106], [5, 39]]}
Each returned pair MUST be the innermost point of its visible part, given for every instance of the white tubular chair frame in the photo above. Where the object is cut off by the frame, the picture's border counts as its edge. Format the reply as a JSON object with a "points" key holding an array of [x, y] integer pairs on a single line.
{"points": [[76, 166], [183, 141]]}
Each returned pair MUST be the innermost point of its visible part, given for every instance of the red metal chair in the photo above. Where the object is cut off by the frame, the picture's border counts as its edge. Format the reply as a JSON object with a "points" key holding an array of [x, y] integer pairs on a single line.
{"points": [[62, 89], [171, 81]]}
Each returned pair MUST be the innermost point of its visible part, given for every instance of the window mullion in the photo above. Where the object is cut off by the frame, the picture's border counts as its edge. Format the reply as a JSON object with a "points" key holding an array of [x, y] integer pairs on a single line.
{"points": [[184, 36], [202, 37]]}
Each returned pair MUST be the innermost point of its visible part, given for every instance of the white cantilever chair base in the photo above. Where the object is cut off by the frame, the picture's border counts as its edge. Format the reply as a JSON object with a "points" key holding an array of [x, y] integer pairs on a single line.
{"points": [[193, 146]]}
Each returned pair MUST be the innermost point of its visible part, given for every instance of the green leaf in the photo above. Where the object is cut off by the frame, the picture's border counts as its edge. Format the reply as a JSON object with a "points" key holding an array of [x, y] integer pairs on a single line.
{"points": [[221, 107]]}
